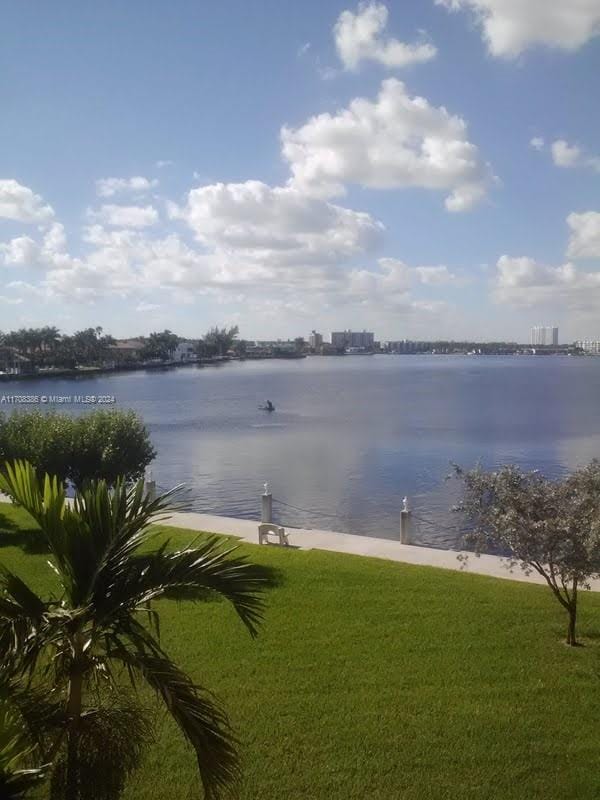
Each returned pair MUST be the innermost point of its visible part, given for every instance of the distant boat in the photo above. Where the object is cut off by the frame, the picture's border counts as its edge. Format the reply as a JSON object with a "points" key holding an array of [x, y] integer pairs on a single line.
{"points": [[269, 407]]}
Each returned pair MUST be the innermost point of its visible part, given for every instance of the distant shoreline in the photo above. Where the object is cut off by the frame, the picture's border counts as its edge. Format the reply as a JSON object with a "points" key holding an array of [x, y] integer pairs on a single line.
{"points": [[86, 372]]}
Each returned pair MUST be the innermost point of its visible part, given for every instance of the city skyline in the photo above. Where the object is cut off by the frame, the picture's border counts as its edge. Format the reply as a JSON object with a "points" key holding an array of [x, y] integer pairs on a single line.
{"points": [[544, 335], [329, 164]]}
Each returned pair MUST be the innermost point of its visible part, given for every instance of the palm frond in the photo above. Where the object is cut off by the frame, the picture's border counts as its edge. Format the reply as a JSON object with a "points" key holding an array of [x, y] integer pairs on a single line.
{"points": [[119, 514], [197, 714], [106, 748], [21, 616], [132, 514], [99, 522], [17, 776], [105, 522], [41, 711], [43, 500], [193, 574]]}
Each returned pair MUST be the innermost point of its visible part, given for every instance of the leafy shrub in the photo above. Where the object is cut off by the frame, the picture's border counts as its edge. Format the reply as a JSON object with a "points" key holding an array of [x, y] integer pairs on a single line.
{"points": [[107, 445], [100, 445], [45, 440]]}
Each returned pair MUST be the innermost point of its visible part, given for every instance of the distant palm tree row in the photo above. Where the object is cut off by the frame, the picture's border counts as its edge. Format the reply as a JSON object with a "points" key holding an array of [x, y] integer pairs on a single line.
{"points": [[48, 347]]}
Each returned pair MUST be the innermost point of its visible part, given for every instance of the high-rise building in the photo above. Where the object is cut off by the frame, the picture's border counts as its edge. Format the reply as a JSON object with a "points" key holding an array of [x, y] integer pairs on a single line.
{"points": [[544, 335], [591, 346], [342, 340], [315, 340]]}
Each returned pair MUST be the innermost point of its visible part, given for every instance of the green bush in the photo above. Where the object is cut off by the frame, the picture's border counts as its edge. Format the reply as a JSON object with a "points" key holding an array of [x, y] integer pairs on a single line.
{"points": [[109, 444], [45, 440], [101, 444]]}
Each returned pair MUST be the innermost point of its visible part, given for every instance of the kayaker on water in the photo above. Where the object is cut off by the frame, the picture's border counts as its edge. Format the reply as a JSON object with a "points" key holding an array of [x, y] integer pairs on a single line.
{"points": [[269, 406]]}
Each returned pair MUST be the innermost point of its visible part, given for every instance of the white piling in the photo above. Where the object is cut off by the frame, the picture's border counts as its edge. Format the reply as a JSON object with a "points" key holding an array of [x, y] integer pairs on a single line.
{"points": [[151, 488], [405, 522], [266, 509]]}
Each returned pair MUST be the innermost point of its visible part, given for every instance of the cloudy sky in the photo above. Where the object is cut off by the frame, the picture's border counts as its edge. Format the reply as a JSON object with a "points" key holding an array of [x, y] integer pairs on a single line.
{"points": [[424, 168]]}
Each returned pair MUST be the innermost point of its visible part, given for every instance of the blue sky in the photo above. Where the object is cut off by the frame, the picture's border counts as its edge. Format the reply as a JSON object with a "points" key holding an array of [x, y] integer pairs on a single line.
{"points": [[426, 169]]}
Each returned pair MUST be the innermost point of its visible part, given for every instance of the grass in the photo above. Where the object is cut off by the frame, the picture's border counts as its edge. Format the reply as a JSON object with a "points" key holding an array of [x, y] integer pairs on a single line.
{"points": [[373, 680]]}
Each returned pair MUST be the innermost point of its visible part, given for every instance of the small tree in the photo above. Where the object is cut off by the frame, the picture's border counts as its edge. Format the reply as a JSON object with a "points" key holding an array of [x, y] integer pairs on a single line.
{"points": [[218, 341], [107, 445], [160, 345], [103, 444], [45, 440], [550, 527]]}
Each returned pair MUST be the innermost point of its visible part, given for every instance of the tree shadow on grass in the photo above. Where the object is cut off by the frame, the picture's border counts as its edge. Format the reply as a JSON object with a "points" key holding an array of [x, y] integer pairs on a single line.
{"points": [[30, 540]]}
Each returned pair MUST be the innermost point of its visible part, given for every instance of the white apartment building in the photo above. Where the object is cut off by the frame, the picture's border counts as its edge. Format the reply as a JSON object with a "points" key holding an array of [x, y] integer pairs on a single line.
{"points": [[591, 346], [360, 339], [544, 335], [315, 341]]}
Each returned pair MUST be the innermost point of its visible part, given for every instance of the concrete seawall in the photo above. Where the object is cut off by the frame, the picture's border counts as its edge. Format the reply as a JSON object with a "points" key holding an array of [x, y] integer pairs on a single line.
{"points": [[304, 539]]}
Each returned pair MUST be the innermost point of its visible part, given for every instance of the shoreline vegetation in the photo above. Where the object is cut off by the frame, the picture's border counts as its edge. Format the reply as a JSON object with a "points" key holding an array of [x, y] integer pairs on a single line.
{"points": [[85, 372], [46, 352]]}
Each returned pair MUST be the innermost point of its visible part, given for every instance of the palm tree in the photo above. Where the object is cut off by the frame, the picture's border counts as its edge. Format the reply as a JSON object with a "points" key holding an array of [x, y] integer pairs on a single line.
{"points": [[15, 778], [91, 641], [19, 769]]}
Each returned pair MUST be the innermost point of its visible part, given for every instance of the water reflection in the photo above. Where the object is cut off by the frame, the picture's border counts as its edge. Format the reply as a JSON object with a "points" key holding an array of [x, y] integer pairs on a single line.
{"points": [[352, 436]]}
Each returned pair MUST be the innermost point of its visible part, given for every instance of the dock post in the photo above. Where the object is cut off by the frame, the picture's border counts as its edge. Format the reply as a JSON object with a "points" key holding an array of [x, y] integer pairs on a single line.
{"points": [[266, 511], [150, 486], [405, 522]]}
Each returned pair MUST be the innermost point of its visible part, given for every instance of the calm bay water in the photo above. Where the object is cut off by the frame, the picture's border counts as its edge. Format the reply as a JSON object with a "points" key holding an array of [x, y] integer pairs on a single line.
{"points": [[351, 436]]}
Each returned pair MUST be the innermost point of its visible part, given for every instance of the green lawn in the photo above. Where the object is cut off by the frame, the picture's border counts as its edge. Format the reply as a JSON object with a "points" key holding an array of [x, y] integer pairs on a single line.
{"points": [[373, 680]]}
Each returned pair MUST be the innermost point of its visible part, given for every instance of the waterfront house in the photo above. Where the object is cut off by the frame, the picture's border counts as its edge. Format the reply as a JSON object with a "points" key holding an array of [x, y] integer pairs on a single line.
{"points": [[185, 351], [125, 351], [13, 363]]}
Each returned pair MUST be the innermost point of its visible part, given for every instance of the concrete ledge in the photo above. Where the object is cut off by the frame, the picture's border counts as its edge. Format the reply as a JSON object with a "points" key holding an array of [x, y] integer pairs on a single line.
{"points": [[460, 561], [304, 539]]}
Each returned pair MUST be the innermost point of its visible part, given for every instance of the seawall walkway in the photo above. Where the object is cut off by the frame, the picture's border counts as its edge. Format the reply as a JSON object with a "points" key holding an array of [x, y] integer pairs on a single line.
{"points": [[304, 539], [352, 544]]}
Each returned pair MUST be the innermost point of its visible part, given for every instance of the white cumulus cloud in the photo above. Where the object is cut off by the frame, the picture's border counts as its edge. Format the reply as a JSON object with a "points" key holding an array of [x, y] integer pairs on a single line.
{"points": [[584, 241], [567, 155], [360, 37], [396, 141], [435, 276], [276, 225], [564, 154], [525, 282], [109, 187], [263, 247], [511, 26], [125, 216], [388, 287], [24, 251], [21, 204], [571, 155], [20, 251]]}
